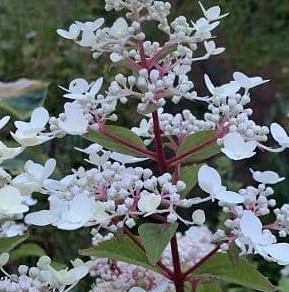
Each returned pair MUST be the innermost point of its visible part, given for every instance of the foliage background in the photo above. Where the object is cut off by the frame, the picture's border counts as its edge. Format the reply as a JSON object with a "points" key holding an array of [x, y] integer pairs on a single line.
{"points": [[256, 37]]}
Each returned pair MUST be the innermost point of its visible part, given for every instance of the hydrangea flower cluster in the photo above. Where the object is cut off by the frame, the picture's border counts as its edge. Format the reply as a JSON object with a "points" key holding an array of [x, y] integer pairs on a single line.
{"points": [[120, 276], [115, 199], [43, 277]]}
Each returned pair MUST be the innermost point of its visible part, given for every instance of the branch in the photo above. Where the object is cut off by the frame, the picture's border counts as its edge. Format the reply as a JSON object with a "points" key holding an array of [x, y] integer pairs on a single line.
{"points": [[167, 272], [188, 153], [163, 166], [199, 263], [143, 150], [178, 276]]}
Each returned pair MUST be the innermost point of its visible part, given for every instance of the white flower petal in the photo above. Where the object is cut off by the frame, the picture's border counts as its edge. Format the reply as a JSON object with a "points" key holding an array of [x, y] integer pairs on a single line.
{"points": [[279, 135], [251, 226], [266, 177], [279, 252], [40, 218], [236, 148], [149, 203], [229, 197], [123, 158], [119, 28], [96, 86], [209, 179], [4, 121]]}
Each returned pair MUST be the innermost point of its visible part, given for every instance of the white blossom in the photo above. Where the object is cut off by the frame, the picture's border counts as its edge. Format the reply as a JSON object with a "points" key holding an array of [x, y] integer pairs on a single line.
{"points": [[74, 121], [35, 175], [119, 28], [248, 82], [279, 135], [223, 90], [67, 215], [11, 202], [209, 181], [266, 177], [30, 133], [213, 13], [72, 33], [235, 147], [148, 203], [9, 153], [261, 242]]}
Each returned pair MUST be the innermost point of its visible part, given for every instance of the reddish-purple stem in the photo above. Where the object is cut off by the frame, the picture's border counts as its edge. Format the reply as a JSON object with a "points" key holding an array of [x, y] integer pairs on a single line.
{"points": [[193, 150], [199, 263], [159, 146], [167, 272], [137, 148], [178, 276]]}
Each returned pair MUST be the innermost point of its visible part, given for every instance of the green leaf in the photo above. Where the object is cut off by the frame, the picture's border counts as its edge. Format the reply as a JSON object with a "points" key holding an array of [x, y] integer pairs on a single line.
{"points": [[233, 253], [220, 267], [19, 98], [283, 285], [27, 250], [196, 140], [212, 287], [189, 174], [155, 237], [9, 243], [120, 248], [109, 143]]}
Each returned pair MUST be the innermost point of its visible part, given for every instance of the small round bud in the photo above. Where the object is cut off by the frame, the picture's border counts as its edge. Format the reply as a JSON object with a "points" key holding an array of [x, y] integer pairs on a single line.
{"points": [[43, 262], [171, 218], [4, 258], [199, 217], [22, 269]]}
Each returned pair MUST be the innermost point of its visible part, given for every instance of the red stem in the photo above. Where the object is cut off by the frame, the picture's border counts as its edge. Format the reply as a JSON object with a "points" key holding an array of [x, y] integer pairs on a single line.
{"points": [[199, 263], [191, 151], [178, 276], [154, 59], [133, 64], [167, 272], [137, 148], [163, 166], [142, 55]]}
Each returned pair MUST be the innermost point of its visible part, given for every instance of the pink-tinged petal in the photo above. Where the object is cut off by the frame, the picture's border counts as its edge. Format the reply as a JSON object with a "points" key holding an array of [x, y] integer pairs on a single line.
{"points": [[229, 197], [251, 226]]}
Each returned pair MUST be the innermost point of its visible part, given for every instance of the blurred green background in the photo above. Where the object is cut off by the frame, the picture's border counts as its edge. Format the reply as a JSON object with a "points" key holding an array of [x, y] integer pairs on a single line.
{"points": [[256, 37]]}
